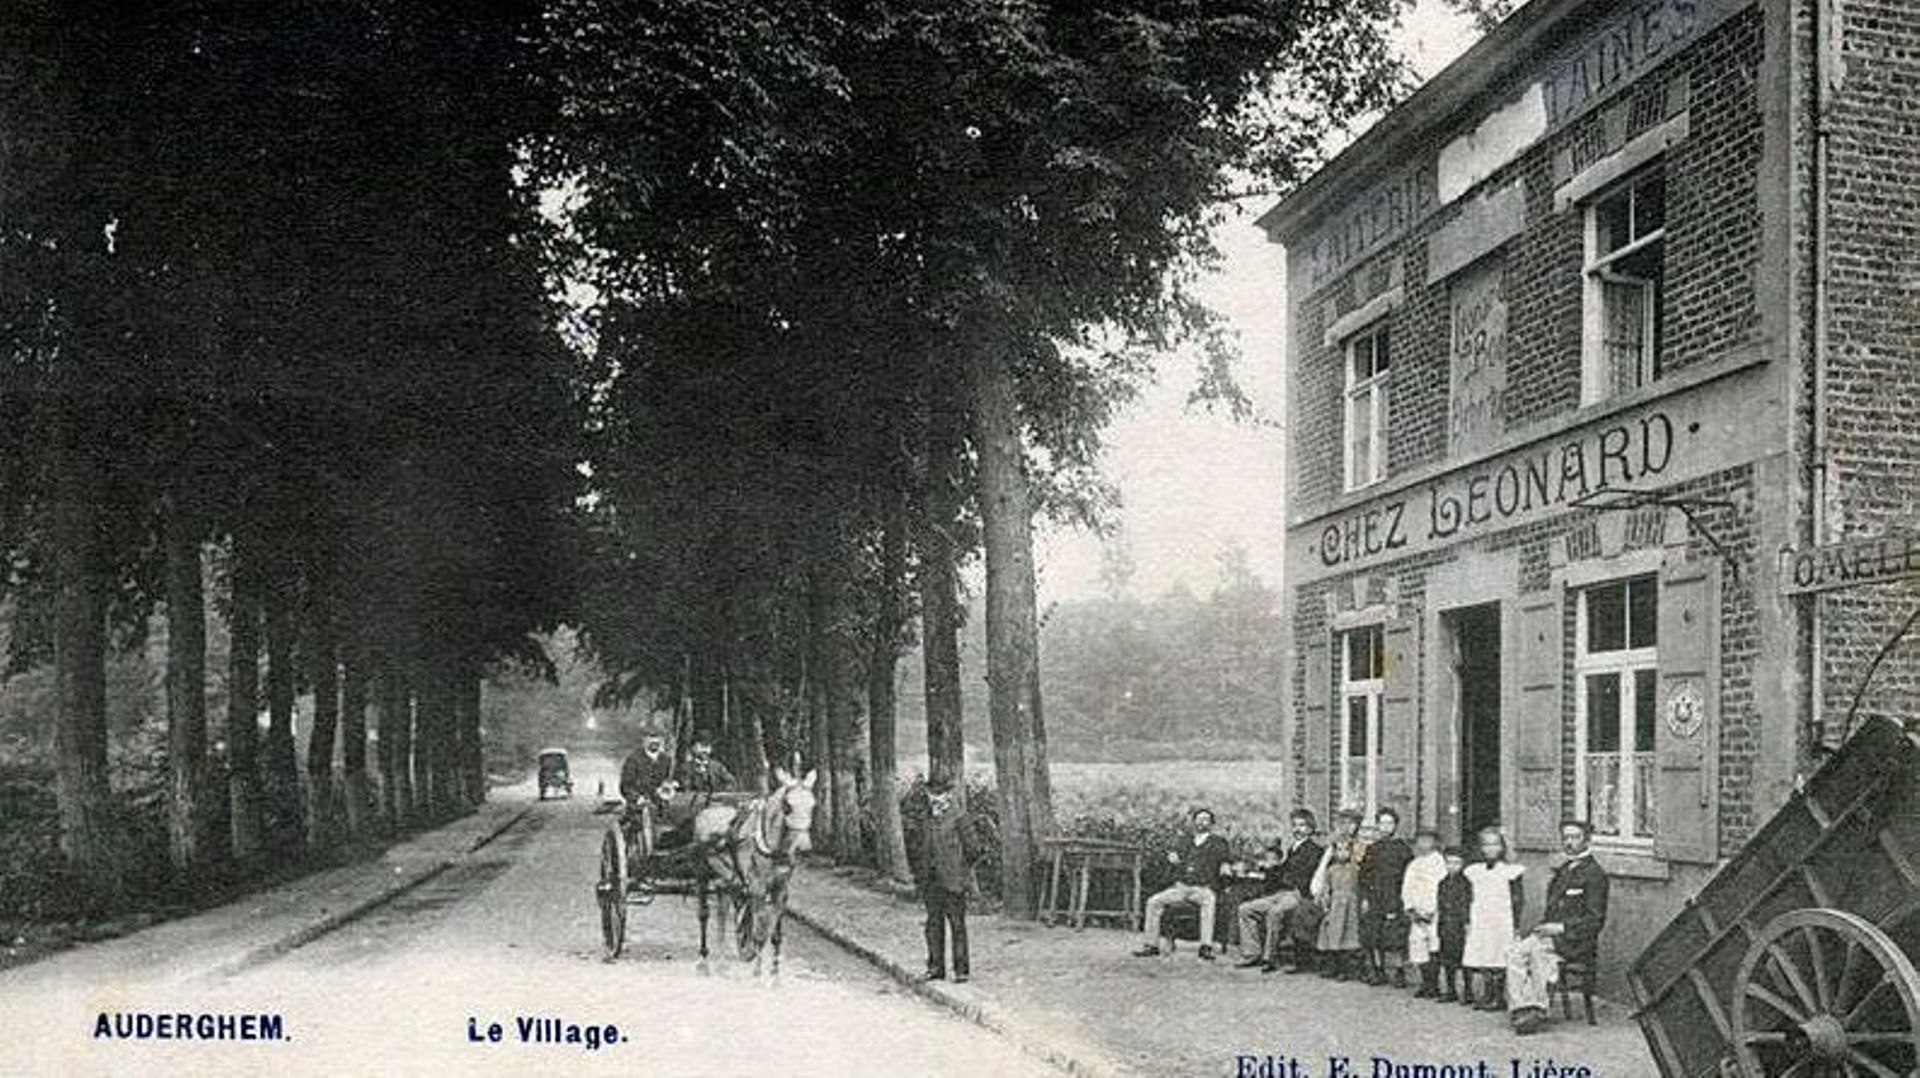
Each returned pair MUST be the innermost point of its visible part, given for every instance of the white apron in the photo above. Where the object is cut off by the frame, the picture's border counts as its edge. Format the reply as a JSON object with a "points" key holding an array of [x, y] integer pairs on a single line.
{"points": [[1490, 927]]}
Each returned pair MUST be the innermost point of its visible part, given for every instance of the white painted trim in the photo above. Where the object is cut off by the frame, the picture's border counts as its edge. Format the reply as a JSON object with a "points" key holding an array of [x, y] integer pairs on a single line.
{"points": [[1364, 315], [1640, 149]]}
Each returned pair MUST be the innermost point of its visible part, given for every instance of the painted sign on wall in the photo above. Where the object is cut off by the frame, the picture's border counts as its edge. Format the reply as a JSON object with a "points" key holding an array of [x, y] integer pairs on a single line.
{"points": [[1476, 410], [1842, 565]]}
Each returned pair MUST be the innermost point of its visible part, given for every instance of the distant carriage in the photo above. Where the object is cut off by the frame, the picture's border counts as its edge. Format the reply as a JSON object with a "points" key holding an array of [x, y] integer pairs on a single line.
{"points": [[553, 774], [740, 850], [1798, 957]]}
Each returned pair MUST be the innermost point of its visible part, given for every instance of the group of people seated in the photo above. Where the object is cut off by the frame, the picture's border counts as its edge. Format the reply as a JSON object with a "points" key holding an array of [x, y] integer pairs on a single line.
{"points": [[649, 775], [1369, 906]]}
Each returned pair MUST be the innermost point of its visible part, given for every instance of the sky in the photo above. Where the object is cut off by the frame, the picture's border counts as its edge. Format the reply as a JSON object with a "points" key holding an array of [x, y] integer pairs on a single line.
{"points": [[1191, 482]]}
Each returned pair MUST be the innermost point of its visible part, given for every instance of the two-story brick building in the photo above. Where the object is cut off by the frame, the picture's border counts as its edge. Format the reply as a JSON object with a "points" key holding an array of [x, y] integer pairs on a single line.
{"points": [[1584, 336]]}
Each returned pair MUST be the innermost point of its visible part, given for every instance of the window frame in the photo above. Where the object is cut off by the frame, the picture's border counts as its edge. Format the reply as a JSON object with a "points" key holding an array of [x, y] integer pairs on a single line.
{"points": [[1596, 376], [1373, 691], [1373, 391], [1624, 663]]}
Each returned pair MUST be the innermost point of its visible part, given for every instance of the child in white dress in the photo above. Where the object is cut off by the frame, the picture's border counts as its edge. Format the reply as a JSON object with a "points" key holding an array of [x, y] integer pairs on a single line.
{"points": [[1495, 919], [1420, 896]]}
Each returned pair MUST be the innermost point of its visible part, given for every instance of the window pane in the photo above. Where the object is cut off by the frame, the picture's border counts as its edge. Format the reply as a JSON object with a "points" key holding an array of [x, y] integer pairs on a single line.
{"points": [[1362, 358], [1357, 726], [1645, 707], [1650, 204], [1606, 618], [1613, 222], [1643, 612], [1623, 332], [1363, 653], [1603, 712], [1646, 802], [1603, 792], [1382, 351], [1360, 440]]}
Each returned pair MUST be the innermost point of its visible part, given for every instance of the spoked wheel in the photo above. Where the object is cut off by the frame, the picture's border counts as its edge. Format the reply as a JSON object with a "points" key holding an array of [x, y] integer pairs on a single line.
{"points": [[612, 891], [1825, 994]]}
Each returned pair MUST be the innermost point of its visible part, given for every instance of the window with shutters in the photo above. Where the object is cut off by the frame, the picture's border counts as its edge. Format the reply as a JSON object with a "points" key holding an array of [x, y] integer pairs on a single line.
{"points": [[1369, 357], [1362, 689], [1625, 277], [1616, 690]]}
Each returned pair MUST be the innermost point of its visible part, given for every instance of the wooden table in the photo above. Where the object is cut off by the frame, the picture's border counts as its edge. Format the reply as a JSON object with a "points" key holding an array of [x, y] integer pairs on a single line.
{"points": [[1074, 861]]}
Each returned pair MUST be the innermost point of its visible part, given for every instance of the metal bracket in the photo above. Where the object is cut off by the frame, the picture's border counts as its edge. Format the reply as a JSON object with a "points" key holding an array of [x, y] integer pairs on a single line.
{"points": [[1620, 499]]}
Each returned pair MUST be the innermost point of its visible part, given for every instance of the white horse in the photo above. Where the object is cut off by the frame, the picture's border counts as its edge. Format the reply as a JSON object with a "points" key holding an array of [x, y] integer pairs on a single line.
{"points": [[747, 856]]}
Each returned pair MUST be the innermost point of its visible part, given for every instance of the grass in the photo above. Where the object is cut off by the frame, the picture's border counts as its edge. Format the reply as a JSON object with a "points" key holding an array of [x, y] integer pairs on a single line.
{"points": [[1243, 794]]}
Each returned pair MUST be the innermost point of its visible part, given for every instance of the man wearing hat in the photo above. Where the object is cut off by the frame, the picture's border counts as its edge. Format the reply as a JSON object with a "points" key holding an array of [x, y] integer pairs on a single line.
{"points": [[646, 769], [941, 855], [1196, 872]]}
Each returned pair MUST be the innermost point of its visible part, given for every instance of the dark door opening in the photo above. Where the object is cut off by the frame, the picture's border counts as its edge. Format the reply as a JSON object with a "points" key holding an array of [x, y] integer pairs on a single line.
{"points": [[1476, 638]]}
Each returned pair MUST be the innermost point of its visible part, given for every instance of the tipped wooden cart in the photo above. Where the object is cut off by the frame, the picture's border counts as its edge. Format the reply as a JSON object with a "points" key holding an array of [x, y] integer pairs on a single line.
{"points": [[1797, 958]]}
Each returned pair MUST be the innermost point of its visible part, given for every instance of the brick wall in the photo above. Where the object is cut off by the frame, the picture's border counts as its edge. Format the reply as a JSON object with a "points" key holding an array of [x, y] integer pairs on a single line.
{"points": [[1873, 364], [1710, 308]]}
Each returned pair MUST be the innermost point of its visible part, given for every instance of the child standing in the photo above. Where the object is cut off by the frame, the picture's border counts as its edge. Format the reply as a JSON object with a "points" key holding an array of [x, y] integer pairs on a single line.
{"points": [[1493, 919], [1453, 901], [1420, 897], [1340, 898]]}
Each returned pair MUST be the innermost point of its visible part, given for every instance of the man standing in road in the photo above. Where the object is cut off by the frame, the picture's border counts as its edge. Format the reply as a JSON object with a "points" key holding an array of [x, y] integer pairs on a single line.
{"points": [[1569, 930], [646, 769], [941, 857], [1196, 867], [1292, 862]]}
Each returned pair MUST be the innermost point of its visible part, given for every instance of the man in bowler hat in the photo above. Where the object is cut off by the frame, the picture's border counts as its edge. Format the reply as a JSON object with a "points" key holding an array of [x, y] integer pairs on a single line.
{"points": [[941, 855]]}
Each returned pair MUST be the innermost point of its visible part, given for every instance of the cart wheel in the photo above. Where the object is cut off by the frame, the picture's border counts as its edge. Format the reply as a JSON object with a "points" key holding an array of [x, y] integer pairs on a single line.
{"points": [[1825, 992], [612, 892]]}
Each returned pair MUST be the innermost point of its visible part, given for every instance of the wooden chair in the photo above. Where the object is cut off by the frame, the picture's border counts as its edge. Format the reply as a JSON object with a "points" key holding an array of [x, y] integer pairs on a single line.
{"points": [[1575, 977], [1181, 920]]}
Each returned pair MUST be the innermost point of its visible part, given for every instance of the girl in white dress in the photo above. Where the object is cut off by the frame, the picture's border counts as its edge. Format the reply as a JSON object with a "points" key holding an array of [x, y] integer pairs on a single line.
{"points": [[1494, 918]]}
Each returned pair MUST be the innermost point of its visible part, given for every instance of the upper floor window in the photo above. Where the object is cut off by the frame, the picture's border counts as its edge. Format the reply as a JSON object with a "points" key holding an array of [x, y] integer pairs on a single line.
{"points": [[1369, 354], [1616, 677], [1625, 282], [1362, 689]]}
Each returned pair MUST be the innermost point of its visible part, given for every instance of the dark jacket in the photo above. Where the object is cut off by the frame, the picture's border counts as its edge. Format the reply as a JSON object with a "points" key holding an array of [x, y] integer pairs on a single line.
{"points": [[941, 851], [1199, 866], [1296, 868], [641, 777], [1577, 898], [1454, 906], [714, 778], [1381, 871]]}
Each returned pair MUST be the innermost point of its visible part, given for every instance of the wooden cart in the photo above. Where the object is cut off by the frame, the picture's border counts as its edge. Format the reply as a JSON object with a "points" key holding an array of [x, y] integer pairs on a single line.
{"points": [[1797, 957]]}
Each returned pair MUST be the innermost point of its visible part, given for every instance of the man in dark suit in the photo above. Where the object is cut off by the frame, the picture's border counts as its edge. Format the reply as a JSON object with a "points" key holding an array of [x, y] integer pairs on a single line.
{"points": [[1569, 930], [646, 770], [941, 855], [1290, 863], [706, 775], [1196, 871]]}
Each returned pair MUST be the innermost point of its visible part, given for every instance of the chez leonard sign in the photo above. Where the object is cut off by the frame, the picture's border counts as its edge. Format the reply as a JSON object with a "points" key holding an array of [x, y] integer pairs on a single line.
{"points": [[1670, 440]]}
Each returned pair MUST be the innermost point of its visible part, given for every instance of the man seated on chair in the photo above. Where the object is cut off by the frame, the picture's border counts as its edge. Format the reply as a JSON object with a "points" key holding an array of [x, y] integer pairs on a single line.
{"points": [[1569, 930], [1196, 867], [1290, 863]]}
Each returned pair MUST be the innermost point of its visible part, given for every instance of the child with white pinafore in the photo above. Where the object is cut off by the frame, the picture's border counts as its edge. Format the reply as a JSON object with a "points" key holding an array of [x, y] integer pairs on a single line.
{"points": [[1494, 921]]}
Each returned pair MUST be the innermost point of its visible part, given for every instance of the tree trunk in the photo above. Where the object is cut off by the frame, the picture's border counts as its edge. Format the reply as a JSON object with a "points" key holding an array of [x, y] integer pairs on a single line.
{"points": [[286, 830], [189, 841], [940, 609], [89, 826], [476, 757], [324, 672], [817, 684], [353, 738], [243, 710], [1006, 515], [396, 723], [889, 846]]}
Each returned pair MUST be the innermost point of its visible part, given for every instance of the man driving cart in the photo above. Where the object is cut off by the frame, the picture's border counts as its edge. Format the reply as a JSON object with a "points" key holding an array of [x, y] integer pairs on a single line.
{"points": [[649, 774]]}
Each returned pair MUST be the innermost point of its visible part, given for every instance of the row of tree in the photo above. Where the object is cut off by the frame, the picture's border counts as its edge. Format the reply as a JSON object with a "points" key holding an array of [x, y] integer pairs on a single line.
{"points": [[864, 280], [274, 327], [870, 278]]}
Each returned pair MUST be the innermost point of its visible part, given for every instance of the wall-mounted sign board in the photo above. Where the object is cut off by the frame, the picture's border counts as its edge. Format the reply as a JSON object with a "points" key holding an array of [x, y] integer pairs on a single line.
{"points": [[1849, 564]]}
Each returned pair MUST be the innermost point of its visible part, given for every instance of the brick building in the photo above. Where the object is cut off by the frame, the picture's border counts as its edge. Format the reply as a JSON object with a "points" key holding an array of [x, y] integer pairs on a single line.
{"points": [[1585, 339]]}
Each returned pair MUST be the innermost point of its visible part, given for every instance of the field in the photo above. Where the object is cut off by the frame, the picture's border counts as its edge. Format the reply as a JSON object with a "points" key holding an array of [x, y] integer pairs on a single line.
{"points": [[1244, 794]]}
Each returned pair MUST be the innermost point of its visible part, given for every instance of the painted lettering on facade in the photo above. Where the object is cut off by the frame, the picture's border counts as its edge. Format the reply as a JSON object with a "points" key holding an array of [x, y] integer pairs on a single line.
{"points": [[1613, 55], [1476, 410], [1368, 222], [1503, 492], [1851, 564]]}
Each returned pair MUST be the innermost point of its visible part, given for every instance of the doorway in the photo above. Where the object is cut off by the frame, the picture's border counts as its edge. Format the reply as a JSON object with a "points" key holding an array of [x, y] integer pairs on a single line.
{"points": [[1475, 635]]}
